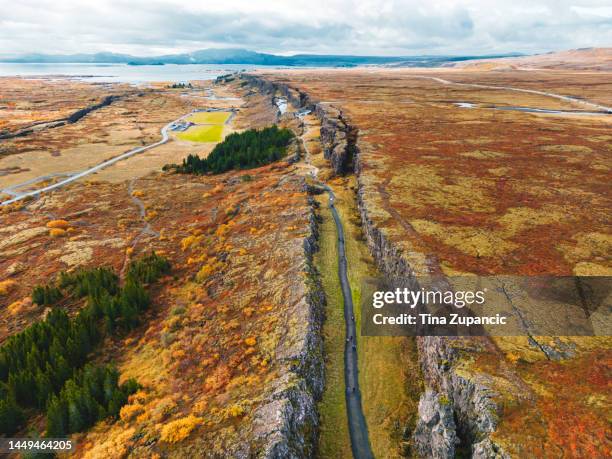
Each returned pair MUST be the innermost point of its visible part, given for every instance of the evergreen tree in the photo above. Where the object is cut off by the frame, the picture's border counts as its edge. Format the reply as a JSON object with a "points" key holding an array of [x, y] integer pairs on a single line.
{"points": [[40, 366], [11, 417]]}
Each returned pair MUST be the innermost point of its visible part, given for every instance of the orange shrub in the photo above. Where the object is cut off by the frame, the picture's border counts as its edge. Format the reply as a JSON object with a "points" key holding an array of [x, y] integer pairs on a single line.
{"points": [[62, 224], [17, 307], [130, 411], [6, 286], [180, 429], [57, 232], [218, 379]]}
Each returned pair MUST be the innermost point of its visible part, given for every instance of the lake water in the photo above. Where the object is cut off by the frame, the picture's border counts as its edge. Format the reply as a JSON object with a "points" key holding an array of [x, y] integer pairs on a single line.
{"points": [[123, 73]]}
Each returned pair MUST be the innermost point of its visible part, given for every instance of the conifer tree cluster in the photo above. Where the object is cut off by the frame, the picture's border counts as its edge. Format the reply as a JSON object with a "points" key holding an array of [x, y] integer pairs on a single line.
{"points": [[37, 364], [148, 268], [92, 394], [90, 282], [248, 149], [46, 295]]}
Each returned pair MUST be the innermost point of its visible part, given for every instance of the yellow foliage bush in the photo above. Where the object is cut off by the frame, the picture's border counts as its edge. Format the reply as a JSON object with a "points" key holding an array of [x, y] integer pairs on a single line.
{"points": [[248, 312], [222, 230], [62, 224], [218, 379], [200, 406], [6, 286], [57, 232], [208, 269], [191, 241], [204, 273], [130, 411], [512, 357], [138, 397], [138, 194], [250, 341], [16, 308], [178, 354], [114, 445], [235, 411], [180, 429]]}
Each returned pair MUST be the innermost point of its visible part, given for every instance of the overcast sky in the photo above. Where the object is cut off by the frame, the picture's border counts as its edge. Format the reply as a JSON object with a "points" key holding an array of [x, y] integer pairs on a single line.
{"points": [[408, 27]]}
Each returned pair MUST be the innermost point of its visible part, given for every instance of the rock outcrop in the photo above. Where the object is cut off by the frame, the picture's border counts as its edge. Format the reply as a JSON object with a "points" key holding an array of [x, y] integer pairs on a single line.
{"points": [[72, 118], [454, 410], [435, 433], [287, 426], [338, 137]]}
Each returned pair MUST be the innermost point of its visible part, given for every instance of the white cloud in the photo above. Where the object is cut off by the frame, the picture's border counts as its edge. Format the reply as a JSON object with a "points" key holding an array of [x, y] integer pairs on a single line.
{"points": [[389, 27]]}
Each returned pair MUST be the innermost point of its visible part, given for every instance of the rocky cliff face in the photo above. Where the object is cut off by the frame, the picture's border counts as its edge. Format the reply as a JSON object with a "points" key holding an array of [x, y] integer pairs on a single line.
{"points": [[435, 434], [72, 118], [287, 426], [294, 96], [338, 138], [470, 402], [454, 412], [473, 413]]}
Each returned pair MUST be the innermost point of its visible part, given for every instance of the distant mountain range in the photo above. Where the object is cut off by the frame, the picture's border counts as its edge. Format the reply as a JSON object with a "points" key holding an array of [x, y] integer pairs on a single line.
{"points": [[243, 56]]}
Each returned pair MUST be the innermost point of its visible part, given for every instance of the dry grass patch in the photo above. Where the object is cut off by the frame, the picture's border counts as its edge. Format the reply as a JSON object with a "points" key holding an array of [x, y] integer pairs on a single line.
{"points": [[472, 241]]}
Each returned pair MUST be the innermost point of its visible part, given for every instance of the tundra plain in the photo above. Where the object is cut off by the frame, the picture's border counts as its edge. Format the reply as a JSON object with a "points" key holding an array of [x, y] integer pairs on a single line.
{"points": [[459, 176], [463, 171]]}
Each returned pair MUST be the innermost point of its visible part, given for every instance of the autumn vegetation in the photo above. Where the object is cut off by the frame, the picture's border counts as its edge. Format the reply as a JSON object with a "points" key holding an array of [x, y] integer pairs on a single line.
{"points": [[458, 191], [41, 367]]}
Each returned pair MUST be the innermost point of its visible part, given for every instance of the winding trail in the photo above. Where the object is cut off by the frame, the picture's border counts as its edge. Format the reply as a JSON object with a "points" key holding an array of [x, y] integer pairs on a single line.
{"points": [[358, 429], [147, 229], [570, 99], [96, 168]]}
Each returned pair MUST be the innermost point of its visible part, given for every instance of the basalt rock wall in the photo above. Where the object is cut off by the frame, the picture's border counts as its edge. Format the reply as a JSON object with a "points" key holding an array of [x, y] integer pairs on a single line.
{"points": [[73, 118], [338, 138], [475, 414], [454, 411]]}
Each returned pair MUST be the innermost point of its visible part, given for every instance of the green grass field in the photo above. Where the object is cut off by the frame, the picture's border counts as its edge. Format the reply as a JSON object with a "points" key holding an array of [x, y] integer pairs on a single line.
{"points": [[209, 117], [202, 134]]}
